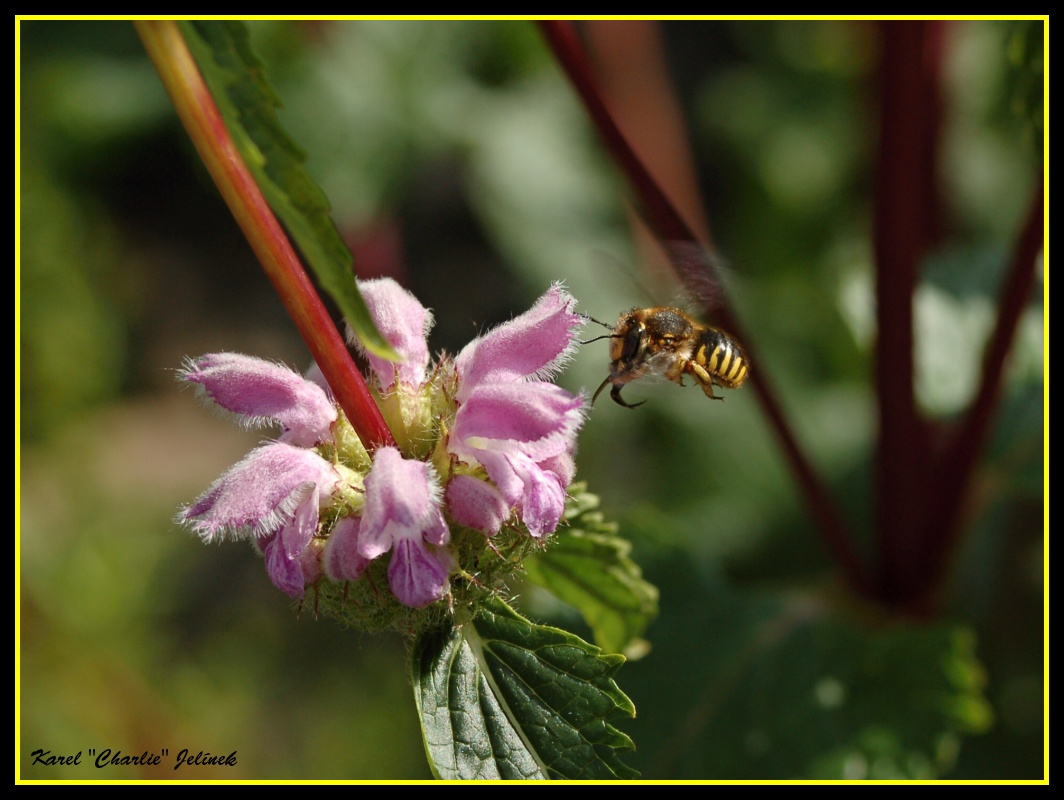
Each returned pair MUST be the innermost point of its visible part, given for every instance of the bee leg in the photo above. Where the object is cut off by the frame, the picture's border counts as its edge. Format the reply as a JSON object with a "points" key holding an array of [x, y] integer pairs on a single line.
{"points": [[705, 380], [615, 395], [675, 372], [598, 391]]}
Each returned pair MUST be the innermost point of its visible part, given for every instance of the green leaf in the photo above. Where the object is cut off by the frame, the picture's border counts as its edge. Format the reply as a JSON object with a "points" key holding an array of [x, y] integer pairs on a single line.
{"points": [[248, 104], [588, 567], [503, 698], [903, 698], [754, 685]]}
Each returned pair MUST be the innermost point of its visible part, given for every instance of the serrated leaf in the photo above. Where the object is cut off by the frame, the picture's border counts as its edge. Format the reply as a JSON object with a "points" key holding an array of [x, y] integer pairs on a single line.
{"points": [[587, 566], [503, 698], [248, 104]]}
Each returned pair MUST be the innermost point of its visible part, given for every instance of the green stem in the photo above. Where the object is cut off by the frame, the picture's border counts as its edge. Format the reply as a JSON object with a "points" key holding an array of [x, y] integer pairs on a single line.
{"points": [[205, 127]]}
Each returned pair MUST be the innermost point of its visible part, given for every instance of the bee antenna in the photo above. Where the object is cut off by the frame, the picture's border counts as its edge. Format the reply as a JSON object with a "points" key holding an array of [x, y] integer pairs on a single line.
{"points": [[589, 318], [599, 338]]}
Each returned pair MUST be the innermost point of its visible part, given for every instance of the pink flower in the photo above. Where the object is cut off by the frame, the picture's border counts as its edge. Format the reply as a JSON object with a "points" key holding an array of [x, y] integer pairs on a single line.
{"points": [[510, 422], [477, 504], [275, 495], [343, 561], [405, 324], [402, 514], [533, 346], [490, 418], [259, 391]]}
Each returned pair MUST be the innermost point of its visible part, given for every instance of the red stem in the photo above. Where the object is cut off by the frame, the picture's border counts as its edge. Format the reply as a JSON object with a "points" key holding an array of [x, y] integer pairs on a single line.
{"points": [[959, 456], [206, 128], [905, 205], [923, 486]]}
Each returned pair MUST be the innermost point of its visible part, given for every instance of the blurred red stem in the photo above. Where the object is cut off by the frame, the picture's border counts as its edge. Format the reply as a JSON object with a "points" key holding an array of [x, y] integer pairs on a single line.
{"points": [[661, 214], [905, 207], [959, 455], [202, 120], [667, 224]]}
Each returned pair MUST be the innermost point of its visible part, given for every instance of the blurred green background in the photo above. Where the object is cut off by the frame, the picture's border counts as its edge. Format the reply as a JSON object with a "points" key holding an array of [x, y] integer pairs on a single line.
{"points": [[458, 160]]}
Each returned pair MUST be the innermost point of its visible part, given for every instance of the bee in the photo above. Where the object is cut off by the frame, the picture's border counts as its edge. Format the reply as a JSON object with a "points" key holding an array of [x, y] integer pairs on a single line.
{"points": [[667, 341]]}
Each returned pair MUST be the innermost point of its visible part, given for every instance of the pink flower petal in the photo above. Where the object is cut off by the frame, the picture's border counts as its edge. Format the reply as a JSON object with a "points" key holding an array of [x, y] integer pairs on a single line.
{"points": [[402, 512], [417, 576], [297, 533], [543, 503], [402, 500], [563, 466], [503, 474], [285, 572], [317, 377], [405, 323], [536, 419], [343, 562], [258, 495], [259, 391], [523, 482], [476, 504], [532, 345], [293, 560]]}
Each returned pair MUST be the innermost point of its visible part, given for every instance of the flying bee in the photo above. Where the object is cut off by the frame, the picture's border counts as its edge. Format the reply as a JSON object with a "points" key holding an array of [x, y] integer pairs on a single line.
{"points": [[667, 341]]}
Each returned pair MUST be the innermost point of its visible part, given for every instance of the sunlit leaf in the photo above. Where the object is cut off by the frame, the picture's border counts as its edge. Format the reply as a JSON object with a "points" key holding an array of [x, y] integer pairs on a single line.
{"points": [[587, 566], [503, 698]]}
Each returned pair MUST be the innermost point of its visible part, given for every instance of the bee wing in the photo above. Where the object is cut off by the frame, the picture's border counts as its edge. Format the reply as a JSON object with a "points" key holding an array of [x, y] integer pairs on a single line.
{"points": [[702, 273], [611, 266]]}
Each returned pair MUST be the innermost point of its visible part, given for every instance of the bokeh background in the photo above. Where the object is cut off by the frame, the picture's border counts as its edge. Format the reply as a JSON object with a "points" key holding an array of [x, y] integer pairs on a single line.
{"points": [[458, 161]]}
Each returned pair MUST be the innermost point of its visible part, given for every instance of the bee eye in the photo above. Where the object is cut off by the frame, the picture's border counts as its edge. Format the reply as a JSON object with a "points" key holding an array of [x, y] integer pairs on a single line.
{"points": [[631, 342]]}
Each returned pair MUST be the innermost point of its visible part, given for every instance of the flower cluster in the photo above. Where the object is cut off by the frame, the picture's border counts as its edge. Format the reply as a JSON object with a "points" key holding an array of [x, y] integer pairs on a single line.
{"points": [[484, 444]]}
